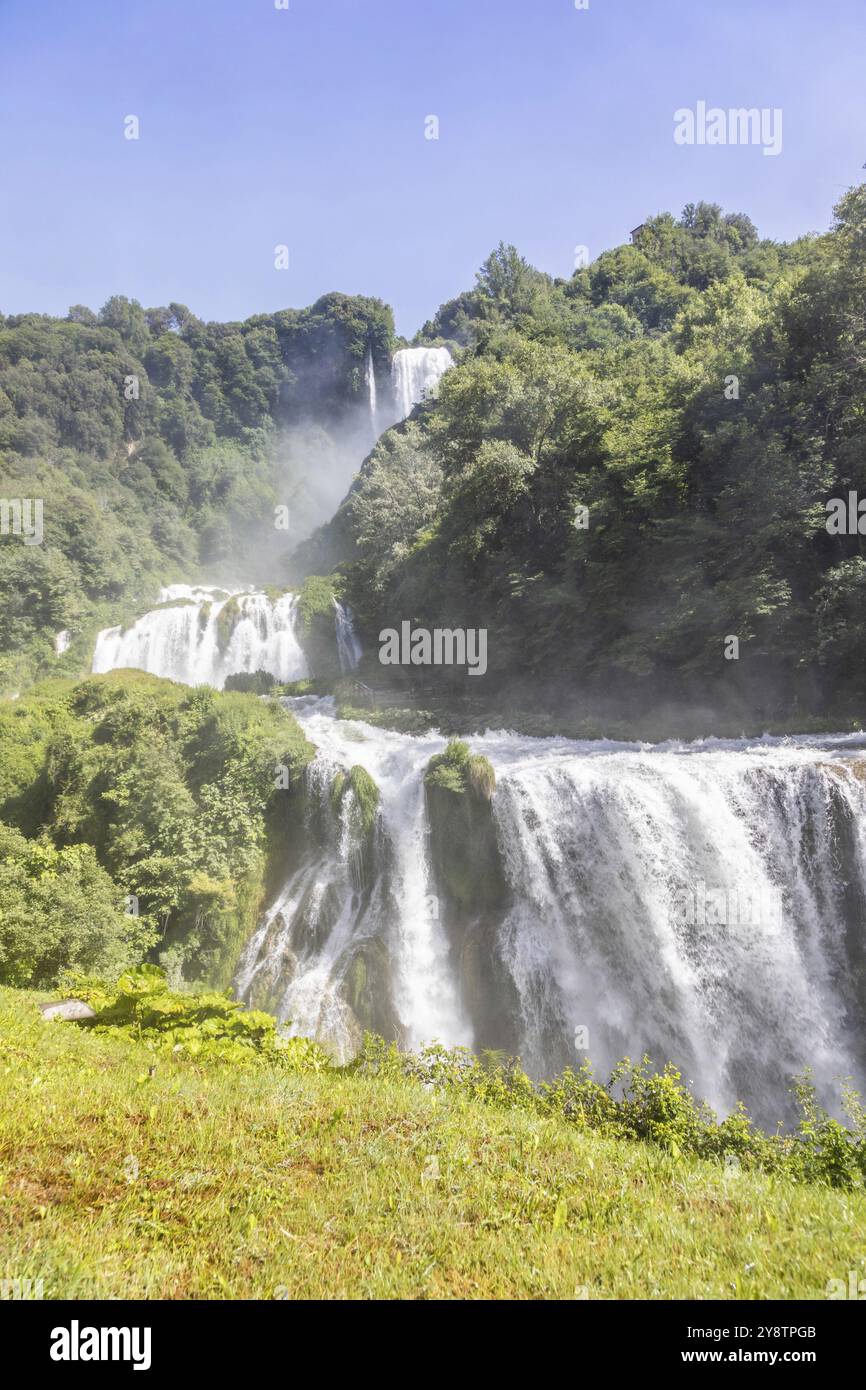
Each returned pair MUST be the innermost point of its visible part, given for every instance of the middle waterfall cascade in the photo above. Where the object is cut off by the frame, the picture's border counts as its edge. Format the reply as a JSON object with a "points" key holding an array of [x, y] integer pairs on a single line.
{"points": [[186, 641], [415, 372]]}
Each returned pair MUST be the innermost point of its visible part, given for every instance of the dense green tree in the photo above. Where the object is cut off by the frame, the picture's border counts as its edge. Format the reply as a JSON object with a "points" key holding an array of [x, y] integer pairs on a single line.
{"points": [[59, 910], [151, 791], [619, 495]]}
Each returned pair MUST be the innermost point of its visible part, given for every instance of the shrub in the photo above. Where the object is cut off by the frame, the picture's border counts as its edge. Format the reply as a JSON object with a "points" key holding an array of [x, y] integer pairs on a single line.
{"points": [[644, 1106], [459, 771], [197, 1025], [59, 910], [251, 682], [174, 790]]}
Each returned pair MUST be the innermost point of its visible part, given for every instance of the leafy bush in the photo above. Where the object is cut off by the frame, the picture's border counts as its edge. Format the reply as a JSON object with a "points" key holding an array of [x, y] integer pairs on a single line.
{"points": [[175, 790], [60, 910], [459, 771], [251, 682], [197, 1025], [646, 1106], [583, 488]]}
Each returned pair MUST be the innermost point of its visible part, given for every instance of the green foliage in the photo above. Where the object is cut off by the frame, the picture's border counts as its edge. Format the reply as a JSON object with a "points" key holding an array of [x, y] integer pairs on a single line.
{"points": [[251, 682], [644, 1106], [227, 620], [316, 616], [133, 1172], [198, 1025], [637, 1103], [399, 497], [365, 796], [309, 685], [60, 910], [176, 790], [458, 770], [157, 445], [315, 601], [610, 497]]}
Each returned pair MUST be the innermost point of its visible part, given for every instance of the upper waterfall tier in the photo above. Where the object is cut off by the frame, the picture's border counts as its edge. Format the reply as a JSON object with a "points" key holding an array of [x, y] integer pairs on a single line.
{"points": [[370, 380], [415, 372]]}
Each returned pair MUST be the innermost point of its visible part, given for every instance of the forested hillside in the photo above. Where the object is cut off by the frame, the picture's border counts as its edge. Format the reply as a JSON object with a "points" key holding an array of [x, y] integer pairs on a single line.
{"points": [[631, 467], [625, 470], [160, 446]]}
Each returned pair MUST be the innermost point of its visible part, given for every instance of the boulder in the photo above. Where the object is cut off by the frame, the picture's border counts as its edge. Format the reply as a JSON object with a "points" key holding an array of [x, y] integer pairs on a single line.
{"points": [[70, 1009]]}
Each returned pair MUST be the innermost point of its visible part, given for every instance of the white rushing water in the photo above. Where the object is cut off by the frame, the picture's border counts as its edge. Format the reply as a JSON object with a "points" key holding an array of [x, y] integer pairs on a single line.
{"points": [[415, 374], [370, 379], [185, 640], [397, 911], [696, 902], [702, 902], [349, 650]]}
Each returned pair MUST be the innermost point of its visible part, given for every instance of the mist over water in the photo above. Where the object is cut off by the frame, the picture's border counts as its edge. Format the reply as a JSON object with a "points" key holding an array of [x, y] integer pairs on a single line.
{"points": [[315, 462]]}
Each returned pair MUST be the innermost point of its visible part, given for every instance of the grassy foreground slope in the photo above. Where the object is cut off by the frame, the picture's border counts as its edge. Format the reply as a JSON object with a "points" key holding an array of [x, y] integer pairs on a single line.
{"points": [[217, 1181]]}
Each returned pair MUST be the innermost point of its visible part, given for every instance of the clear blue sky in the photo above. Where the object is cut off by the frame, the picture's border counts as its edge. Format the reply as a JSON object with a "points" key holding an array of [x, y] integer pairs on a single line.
{"points": [[306, 127]]}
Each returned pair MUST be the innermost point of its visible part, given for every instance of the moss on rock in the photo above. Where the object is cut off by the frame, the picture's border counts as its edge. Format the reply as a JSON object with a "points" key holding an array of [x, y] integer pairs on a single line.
{"points": [[471, 887], [316, 625], [363, 807], [338, 786], [227, 620], [366, 796], [459, 771], [459, 787], [367, 988]]}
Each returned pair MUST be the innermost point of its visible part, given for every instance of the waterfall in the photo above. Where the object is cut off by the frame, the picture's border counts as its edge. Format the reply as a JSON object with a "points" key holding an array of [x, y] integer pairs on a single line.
{"points": [[348, 643], [703, 903], [370, 379], [415, 372], [200, 636], [300, 958], [694, 904]]}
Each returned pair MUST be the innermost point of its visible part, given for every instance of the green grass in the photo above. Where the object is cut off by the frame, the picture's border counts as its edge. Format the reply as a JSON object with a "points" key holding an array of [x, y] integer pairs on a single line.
{"points": [[232, 1181]]}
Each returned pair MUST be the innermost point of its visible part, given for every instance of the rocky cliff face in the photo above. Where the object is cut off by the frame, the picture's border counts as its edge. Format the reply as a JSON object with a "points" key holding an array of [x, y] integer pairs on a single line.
{"points": [[472, 891]]}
